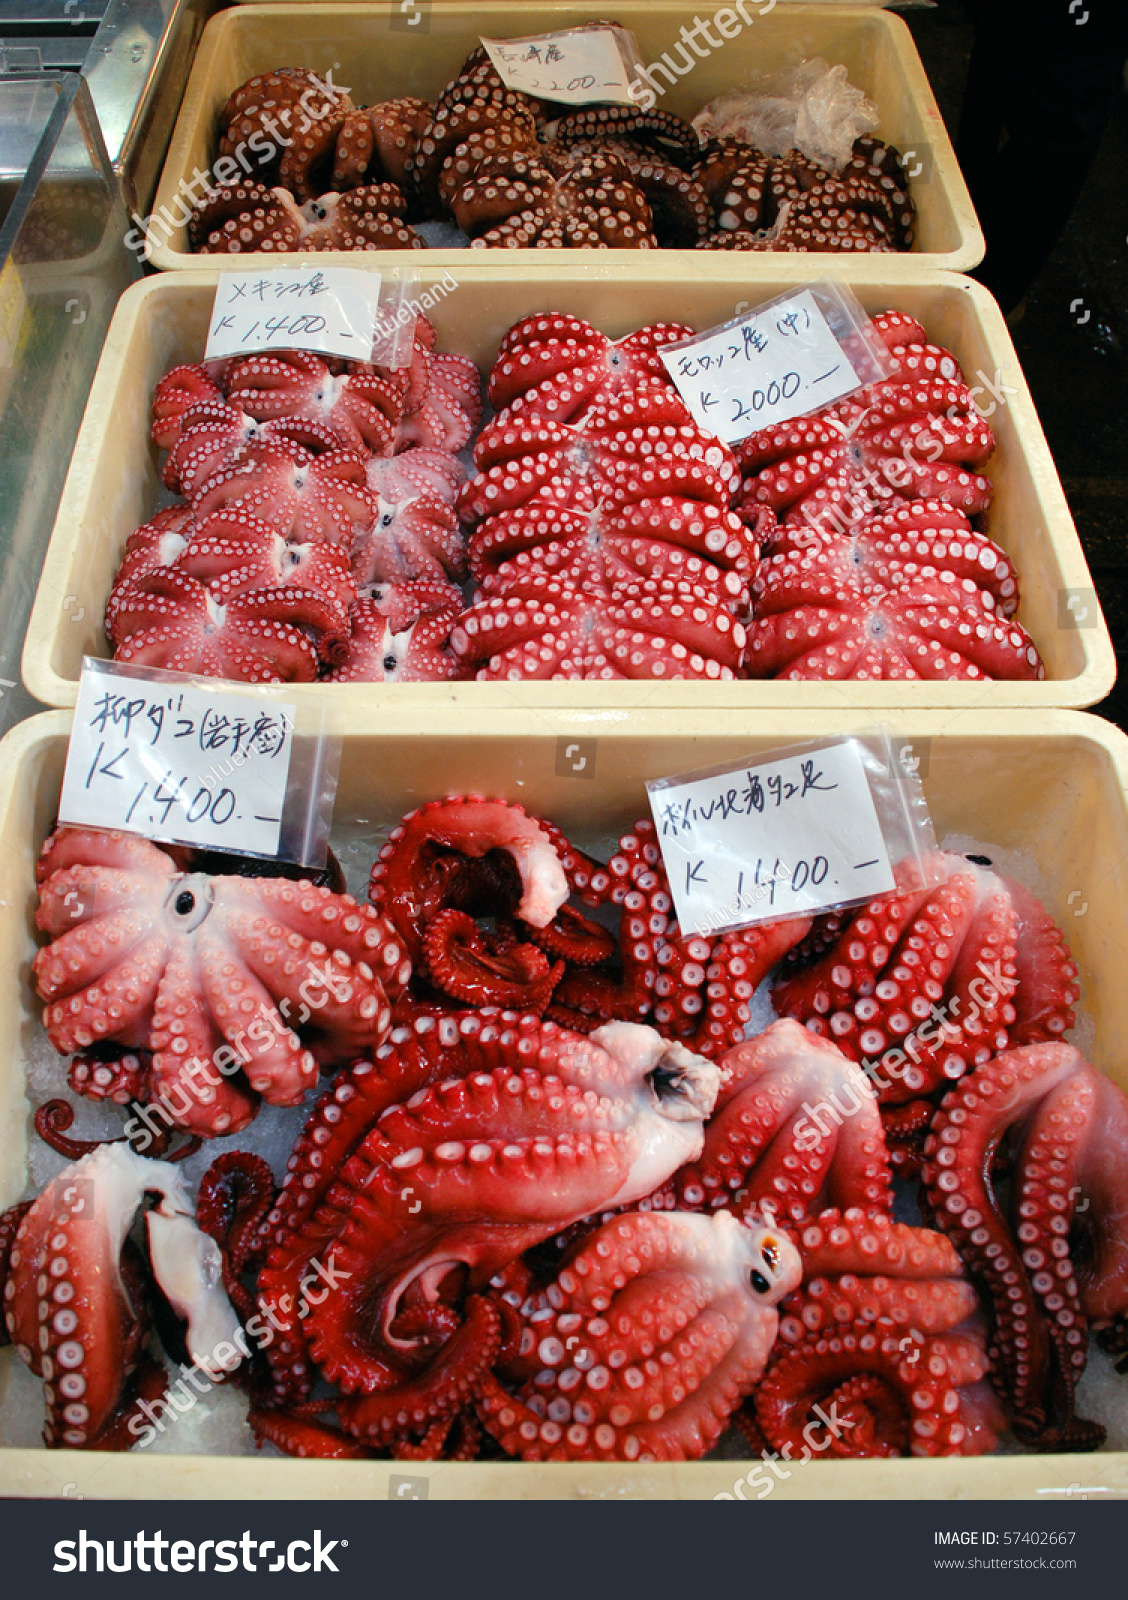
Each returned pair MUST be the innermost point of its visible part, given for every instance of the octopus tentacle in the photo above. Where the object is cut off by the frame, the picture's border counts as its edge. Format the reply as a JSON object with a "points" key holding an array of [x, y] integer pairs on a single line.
{"points": [[860, 1266], [234, 1196], [298, 1436], [54, 1117], [899, 1394], [1073, 1125], [437, 1394]]}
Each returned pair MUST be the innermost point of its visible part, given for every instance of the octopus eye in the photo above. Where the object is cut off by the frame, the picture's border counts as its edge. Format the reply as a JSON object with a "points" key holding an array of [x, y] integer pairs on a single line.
{"points": [[981, 861], [184, 903], [759, 1282]]}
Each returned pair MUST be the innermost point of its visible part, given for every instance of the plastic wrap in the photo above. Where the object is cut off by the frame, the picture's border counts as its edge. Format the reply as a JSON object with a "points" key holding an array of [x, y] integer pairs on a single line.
{"points": [[812, 108]]}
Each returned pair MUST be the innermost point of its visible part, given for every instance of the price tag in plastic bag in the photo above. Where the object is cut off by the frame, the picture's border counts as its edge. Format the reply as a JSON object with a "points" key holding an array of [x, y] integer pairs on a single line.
{"points": [[780, 361], [179, 762], [771, 839], [577, 67], [331, 310]]}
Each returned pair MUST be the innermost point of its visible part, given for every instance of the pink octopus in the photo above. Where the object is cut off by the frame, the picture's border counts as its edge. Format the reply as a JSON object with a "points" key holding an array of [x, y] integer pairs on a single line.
{"points": [[645, 1344], [190, 967]]}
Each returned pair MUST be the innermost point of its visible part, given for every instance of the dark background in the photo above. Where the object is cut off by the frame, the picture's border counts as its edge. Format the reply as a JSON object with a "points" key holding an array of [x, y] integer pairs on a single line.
{"points": [[1078, 372]]}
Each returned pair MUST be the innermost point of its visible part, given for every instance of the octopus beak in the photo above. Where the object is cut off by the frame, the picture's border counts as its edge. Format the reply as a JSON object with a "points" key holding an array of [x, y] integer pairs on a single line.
{"points": [[685, 1085]]}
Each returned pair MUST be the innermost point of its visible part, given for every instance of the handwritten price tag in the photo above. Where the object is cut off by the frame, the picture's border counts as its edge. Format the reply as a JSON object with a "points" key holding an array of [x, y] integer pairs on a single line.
{"points": [[331, 310], [577, 67], [189, 765], [774, 364], [759, 842]]}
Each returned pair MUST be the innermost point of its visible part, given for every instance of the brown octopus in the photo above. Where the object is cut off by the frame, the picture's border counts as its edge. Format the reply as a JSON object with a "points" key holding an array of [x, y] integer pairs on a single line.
{"points": [[791, 203]]}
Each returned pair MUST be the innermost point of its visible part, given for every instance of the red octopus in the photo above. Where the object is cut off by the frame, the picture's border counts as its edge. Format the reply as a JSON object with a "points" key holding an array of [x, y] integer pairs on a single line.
{"points": [[881, 1352], [796, 1128], [400, 633], [77, 1294], [187, 965], [415, 533], [930, 984], [463, 858], [603, 544], [306, 481], [644, 1344], [421, 1175], [915, 593], [1053, 1264], [229, 597], [303, 398], [915, 434]]}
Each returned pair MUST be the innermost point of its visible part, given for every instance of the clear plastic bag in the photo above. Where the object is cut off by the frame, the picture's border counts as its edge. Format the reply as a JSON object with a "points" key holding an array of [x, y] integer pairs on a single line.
{"points": [[183, 759], [343, 312], [812, 108], [393, 340], [790, 334], [796, 830]]}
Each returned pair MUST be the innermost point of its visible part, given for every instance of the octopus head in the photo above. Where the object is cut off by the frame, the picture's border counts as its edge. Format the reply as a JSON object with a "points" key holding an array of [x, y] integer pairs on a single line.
{"points": [[674, 1090]]}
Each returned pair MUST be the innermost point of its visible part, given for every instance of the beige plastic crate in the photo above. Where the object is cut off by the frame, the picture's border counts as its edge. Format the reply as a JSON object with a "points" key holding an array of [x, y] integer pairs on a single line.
{"points": [[1053, 786], [377, 63], [114, 481]]}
